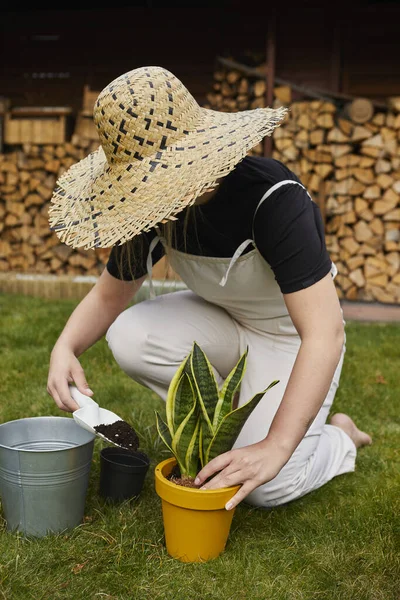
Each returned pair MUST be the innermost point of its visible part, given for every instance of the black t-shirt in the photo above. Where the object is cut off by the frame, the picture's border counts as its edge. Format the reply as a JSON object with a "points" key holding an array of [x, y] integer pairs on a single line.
{"points": [[288, 229]]}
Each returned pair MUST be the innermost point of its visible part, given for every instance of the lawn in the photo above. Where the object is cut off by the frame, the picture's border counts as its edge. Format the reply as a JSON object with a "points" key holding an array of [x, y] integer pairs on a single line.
{"points": [[339, 542]]}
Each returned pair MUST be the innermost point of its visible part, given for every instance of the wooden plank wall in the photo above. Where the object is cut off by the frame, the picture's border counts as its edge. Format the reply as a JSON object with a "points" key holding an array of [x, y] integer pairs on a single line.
{"points": [[96, 45]]}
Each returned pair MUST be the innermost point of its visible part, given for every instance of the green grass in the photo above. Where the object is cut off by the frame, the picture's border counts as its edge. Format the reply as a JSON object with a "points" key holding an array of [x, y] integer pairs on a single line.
{"points": [[339, 542]]}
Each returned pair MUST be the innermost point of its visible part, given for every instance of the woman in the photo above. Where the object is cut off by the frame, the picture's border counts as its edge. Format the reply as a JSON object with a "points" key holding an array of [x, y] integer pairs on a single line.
{"points": [[161, 153]]}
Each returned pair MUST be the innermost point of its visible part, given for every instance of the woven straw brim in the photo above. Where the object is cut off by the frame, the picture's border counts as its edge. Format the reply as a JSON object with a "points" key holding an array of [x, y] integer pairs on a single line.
{"points": [[97, 205]]}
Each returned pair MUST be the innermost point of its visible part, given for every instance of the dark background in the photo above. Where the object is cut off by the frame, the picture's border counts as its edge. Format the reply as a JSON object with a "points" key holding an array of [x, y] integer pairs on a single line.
{"points": [[47, 54]]}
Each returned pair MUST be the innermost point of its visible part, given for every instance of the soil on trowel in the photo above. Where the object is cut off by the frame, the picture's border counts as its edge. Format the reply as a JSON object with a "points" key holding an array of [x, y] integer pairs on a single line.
{"points": [[183, 480], [121, 433]]}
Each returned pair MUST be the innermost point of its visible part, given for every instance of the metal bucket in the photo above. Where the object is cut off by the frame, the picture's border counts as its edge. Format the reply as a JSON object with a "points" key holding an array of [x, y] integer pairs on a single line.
{"points": [[44, 473]]}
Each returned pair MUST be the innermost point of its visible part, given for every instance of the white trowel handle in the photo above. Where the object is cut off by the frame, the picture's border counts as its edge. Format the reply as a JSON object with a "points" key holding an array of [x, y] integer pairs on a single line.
{"points": [[80, 398]]}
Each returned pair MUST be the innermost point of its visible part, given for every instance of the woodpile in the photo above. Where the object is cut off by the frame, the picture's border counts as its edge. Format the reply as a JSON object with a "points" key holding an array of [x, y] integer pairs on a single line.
{"points": [[350, 166], [233, 91], [27, 180], [352, 171]]}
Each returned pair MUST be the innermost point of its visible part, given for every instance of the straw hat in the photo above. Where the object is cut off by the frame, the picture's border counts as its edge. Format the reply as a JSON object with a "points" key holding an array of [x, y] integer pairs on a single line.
{"points": [[159, 151]]}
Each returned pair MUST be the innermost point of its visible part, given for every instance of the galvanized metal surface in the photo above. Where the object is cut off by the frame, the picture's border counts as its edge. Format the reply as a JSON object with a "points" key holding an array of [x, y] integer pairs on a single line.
{"points": [[44, 473]]}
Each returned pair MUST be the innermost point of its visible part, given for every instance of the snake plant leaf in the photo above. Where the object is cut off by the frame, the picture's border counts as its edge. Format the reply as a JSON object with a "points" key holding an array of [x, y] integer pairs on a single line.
{"points": [[185, 396], [192, 452], [201, 452], [183, 437], [227, 393], [176, 409], [163, 432], [205, 382], [231, 426], [207, 435]]}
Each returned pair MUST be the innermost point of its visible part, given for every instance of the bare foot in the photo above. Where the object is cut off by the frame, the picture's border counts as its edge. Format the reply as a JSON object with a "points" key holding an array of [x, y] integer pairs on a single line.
{"points": [[360, 438]]}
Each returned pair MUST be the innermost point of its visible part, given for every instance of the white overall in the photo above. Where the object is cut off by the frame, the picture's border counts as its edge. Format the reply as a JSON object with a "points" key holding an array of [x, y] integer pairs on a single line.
{"points": [[231, 304]]}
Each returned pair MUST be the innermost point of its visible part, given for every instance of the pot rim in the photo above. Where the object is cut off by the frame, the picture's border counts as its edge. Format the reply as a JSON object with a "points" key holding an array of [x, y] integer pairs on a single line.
{"points": [[33, 450], [190, 497], [142, 461], [170, 484]]}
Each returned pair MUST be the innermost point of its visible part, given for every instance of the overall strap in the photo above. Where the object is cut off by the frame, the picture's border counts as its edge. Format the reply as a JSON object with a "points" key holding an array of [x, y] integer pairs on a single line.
{"points": [[234, 258], [158, 230], [273, 189], [244, 244], [334, 270]]}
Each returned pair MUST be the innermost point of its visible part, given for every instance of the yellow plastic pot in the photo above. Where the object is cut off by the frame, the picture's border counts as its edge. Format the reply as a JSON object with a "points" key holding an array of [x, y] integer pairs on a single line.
{"points": [[196, 522]]}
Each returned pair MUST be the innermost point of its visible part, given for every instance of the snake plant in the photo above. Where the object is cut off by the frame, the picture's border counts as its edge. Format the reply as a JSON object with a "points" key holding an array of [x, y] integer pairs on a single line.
{"points": [[201, 421]]}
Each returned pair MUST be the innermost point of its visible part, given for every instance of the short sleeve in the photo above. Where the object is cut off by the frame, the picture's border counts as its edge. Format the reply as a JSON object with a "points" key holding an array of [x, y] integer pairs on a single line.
{"points": [[128, 261], [289, 234]]}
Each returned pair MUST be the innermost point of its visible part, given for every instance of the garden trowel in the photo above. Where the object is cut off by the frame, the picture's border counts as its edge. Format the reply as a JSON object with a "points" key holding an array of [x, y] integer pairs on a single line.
{"points": [[90, 415]]}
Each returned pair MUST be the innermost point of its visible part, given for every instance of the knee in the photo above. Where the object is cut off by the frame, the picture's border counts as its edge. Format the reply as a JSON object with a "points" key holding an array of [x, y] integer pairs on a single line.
{"points": [[127, 338]]}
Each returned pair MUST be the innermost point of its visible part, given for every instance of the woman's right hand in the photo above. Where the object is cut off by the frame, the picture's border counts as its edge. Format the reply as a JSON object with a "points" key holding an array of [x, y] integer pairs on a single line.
{"points": [[65, 368]]}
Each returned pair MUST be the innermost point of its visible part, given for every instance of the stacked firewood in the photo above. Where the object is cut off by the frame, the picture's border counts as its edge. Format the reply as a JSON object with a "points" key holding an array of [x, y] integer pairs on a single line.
{"points": [[27, 181], [233, 91], [352, 171]]}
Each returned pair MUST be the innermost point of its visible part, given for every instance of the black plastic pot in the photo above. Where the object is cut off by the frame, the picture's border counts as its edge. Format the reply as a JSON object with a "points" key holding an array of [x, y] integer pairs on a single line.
{"points": [[122, 473]]}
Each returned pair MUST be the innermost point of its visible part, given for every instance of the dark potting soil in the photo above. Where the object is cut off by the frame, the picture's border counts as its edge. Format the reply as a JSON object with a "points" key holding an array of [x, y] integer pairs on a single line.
{"points": [[184, 480], [121, 433]]}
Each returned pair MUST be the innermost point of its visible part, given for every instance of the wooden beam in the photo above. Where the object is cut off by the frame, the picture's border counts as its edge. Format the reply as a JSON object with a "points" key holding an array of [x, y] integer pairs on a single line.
{"points": [[336, 64], [270, 74], [311, 92], [251, 72]]}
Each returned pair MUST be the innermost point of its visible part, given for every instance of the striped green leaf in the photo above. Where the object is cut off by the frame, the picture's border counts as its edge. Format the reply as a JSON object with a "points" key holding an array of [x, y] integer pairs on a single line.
{"points": [[192, 452], [205, 382], [183, 437], [185, 395], [164, 432], [206, 436], [171, 397], [201, 451], [227, 393], [231, 426]]}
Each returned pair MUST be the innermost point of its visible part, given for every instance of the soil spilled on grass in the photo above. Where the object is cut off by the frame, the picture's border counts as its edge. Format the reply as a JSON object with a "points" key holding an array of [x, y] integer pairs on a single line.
{"points": [[121, 433]]}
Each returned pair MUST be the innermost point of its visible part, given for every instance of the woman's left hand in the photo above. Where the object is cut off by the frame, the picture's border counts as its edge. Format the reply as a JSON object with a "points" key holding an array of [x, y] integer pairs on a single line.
{"points": [[250, 466]]}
